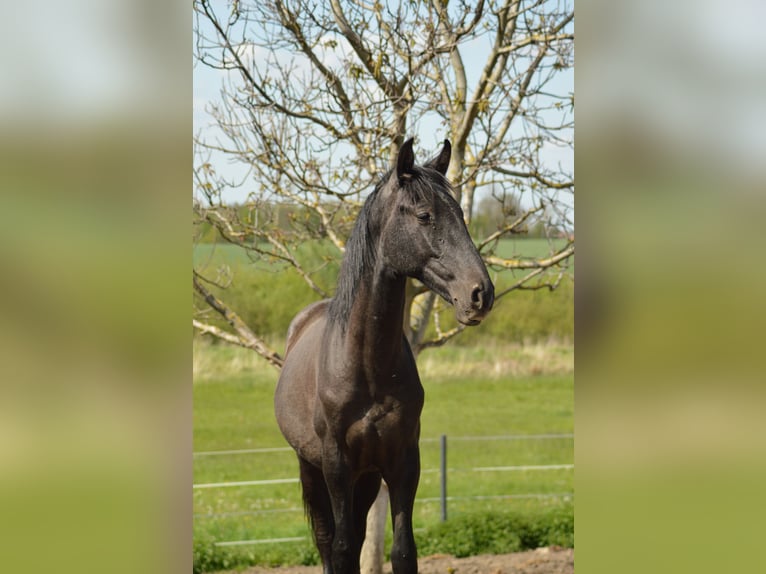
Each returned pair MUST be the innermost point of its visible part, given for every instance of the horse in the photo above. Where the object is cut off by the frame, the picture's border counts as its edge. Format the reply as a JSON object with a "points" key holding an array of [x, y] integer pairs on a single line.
{"points": [[349, 397]]}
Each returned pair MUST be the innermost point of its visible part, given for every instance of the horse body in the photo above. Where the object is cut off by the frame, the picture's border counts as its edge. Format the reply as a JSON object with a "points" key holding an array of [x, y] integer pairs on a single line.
{"points": [[349, 396], [368, 400]]}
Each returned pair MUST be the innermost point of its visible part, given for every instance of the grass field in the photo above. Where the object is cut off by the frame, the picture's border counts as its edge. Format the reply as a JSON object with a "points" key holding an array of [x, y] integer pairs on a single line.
{"points": [[470, 392], [507, 377]]}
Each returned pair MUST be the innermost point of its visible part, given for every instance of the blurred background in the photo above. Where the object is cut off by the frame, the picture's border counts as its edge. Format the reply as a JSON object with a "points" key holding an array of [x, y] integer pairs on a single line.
{"points": [[95, 363], [670, 311]]}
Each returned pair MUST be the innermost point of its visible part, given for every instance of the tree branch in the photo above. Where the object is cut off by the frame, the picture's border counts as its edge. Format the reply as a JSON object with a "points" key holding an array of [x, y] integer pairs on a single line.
{"points": [[567, 252], [510, 228], [289, 22], [493, 68], [441, 338], [365, 56], [258, 86], [245, 336], [535, 175]]}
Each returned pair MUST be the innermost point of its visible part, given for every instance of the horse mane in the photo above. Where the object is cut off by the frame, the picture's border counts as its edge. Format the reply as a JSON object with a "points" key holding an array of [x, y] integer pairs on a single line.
{"points": [[422, 185], [358, 260]]}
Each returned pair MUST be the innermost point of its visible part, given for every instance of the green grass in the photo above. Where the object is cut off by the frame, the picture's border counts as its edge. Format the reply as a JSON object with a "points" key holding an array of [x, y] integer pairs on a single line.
{"points": [[472, 392]]}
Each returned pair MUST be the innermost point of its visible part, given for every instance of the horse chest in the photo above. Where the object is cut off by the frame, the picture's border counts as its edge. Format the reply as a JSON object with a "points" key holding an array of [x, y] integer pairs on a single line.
{"points": [[385, 419], [371, 408], [381, 430]]}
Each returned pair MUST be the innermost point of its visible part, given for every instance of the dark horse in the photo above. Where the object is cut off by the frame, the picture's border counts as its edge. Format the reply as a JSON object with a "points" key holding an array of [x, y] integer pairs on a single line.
{"points": [[349, 396]]}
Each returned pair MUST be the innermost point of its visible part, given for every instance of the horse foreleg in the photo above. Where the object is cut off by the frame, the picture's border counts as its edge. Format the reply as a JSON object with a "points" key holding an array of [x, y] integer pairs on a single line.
{"points": [[402, 485], [365, 492], [338, 477]]}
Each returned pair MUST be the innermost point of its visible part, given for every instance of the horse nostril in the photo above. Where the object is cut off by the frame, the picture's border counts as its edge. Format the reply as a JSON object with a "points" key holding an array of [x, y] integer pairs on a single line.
{"points": [[477, 297]]}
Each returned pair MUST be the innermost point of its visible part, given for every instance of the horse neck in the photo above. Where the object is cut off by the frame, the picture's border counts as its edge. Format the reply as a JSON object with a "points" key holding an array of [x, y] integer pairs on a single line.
{"points": [[367, 312], [374, 331]]}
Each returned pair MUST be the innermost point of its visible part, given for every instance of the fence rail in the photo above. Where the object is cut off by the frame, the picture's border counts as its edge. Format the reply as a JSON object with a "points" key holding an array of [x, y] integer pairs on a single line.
{"points": [[267, 450], [246, 483], [443, 470], [244, 451], [427, 500], [423, 471], [262, 541]]}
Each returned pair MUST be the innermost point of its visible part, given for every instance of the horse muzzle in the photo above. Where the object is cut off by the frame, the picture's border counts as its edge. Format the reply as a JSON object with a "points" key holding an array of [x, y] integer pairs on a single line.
{"points": [[471, 309]]}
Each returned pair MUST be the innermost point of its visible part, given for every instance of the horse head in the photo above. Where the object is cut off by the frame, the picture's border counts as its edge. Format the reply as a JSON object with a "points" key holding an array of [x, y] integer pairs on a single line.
{"points": [[423, 235]]}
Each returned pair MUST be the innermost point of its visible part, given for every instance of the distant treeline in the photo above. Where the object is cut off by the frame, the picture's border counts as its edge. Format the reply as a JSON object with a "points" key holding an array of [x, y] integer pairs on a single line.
{"points": [[488, 217]]}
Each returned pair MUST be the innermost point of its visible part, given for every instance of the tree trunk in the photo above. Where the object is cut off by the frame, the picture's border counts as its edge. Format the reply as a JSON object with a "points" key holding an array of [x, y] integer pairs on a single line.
{"points": [[373, 550]]}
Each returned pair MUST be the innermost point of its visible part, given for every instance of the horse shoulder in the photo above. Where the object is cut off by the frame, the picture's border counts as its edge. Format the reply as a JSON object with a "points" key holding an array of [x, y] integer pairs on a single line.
{"points": [[303, 319]]}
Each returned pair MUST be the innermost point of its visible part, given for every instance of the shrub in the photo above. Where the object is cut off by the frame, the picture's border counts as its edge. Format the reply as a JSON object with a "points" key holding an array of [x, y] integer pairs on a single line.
{"points": [[464, 535], [499, 533], [208, 557], [211, 558]]}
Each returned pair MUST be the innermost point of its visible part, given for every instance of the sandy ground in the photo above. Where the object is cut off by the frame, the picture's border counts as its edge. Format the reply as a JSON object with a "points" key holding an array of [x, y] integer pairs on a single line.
{"points": [[552, 560]]}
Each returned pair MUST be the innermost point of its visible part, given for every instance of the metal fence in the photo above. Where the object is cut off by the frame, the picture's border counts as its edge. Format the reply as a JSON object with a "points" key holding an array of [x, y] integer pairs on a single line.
{"points": [[444, 471]]}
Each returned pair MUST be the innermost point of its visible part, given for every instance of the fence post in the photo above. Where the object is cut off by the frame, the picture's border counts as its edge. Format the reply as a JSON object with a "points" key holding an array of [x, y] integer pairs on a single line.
{"points": [[444, 476]]}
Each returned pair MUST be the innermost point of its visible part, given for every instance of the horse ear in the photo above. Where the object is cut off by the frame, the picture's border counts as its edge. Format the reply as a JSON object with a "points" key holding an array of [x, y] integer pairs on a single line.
{"points": [[405, 161], [441, 162]]}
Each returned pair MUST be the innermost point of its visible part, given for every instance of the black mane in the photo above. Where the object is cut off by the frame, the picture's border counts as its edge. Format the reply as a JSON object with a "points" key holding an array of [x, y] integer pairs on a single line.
{"points": [[358, 260]]}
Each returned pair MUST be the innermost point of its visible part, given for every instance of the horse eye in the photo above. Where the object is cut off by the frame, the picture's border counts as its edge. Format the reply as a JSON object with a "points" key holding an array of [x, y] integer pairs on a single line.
{"points": [[424, 217]]}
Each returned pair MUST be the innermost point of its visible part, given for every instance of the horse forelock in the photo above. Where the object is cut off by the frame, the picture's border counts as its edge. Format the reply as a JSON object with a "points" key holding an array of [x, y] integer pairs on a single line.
{"points": [[426, 186]]}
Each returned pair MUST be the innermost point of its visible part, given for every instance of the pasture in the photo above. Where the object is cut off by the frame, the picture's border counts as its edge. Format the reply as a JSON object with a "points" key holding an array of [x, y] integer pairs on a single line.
{"points": [[484, 393], [488, 390]]}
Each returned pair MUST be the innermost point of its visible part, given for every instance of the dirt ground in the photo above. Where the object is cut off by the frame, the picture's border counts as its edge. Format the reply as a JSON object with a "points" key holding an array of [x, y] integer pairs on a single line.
{"points": [[552, 560]]}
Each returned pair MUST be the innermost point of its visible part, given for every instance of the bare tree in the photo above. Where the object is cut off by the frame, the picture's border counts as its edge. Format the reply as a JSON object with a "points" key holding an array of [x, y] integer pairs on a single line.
{"points": [[317, 98]]}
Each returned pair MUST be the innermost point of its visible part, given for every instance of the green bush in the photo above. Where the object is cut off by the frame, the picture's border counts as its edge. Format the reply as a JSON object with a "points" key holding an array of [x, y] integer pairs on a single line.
{"points": [[472, 534], [499, 533], [208, 557], [211, 558]]}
